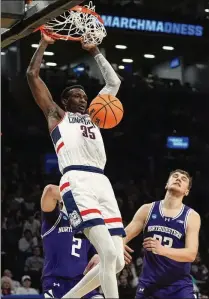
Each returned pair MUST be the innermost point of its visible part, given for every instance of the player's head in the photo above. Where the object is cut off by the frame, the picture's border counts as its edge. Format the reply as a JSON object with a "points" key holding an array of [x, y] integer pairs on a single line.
{"points": [[74, 99], [180, 182]]}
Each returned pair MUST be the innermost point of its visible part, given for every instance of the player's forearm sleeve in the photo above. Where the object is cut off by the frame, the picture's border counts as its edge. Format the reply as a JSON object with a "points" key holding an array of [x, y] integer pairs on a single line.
{"points": [[111, 79]]}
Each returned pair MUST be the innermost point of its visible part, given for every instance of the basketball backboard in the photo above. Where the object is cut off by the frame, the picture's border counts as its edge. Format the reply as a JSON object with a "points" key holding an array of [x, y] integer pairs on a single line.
{"points": [[34, 14]]}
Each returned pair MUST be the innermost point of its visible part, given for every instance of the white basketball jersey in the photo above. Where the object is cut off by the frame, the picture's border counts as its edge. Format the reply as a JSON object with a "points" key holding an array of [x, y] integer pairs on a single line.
{"points": [[78, 141]]}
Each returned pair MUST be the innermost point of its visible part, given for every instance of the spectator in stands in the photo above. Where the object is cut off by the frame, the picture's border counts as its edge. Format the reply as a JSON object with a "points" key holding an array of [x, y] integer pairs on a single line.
{"points": [[26, 287], [18, 195], [125, 288], [33, 225], [139, 263], [6, 286], [34, 265], [199, 270], [8, 273], [27, 242]]}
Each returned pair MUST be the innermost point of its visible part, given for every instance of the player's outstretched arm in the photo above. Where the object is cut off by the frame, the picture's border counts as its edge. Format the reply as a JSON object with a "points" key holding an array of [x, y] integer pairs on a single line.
{"points": [[111, 79], [92, 263], [136, 226], [187, 254], [38, 88], [50, 196]]}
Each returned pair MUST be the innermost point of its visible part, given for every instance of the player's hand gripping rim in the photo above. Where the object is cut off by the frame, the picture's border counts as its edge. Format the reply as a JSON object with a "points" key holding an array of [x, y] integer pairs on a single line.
{"points": [[127, 256]]}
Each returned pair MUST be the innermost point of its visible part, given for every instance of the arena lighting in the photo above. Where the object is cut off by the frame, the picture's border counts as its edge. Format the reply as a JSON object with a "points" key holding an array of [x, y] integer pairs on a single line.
{"points": [[127, 60], [46, 53], [80, 69], [121, 67], [168, 48], [150, 56], [121, 47], [51, 64], [3, 53], [207, 10]]}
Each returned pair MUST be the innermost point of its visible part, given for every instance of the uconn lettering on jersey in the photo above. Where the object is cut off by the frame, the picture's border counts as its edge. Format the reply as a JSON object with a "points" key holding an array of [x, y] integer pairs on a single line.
{"points": [[164, 229], [65, 229], [80, 120]]}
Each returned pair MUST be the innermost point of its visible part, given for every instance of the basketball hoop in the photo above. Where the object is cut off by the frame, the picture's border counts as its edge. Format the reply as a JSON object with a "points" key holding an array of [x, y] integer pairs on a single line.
{"points": [[79, 22]]}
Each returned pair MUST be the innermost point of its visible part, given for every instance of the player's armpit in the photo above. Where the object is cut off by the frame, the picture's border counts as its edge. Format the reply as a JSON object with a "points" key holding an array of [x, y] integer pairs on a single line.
{"points": [[50, 196], [136, 225], [189, 253]]}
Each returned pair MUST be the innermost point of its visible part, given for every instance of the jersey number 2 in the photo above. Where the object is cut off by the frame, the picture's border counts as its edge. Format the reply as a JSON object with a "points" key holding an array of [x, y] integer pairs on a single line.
{"points": [[76, 245], [165, 241], [87, 132]]}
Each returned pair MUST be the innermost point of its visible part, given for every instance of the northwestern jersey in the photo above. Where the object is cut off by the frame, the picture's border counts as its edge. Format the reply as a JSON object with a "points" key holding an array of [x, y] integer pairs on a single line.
{"points": [[159, 270], [78, 141], [64, 255]]}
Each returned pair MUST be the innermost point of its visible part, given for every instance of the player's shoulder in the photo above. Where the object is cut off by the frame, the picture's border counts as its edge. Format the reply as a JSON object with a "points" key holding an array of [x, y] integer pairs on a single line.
{"points": [[193, 217], [194, 214], [148, 206], [191, 211], [145, 209]]}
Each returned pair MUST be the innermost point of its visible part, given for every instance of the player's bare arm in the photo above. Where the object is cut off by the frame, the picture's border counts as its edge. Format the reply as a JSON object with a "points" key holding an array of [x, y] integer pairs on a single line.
{"points": [[50, 196], [40, 92], [134, 228], [92, 263], [111, 78], [187, 254]]}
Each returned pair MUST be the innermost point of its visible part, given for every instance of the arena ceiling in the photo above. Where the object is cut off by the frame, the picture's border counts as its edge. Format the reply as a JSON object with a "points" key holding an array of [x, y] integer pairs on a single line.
{"points": [[193, 8], [194, 50]]}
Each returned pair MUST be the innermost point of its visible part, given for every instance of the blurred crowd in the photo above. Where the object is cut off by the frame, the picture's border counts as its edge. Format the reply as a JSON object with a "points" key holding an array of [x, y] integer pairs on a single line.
{"points": [[138, 166]]}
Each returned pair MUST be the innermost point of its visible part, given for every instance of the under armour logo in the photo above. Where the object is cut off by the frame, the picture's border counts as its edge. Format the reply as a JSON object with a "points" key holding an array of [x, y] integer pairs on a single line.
{"points": [[56, 284], [180, 221], [167, 219], [141, 290]]}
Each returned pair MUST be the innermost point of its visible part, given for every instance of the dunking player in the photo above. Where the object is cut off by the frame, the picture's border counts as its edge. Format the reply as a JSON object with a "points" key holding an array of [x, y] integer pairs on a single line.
{"points": [[65, 257], [86, 192], [171, 232]]}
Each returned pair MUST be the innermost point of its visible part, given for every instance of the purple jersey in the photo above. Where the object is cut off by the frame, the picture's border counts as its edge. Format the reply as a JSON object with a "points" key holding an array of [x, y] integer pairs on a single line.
{"points": [[159, 271], [64, 255]]}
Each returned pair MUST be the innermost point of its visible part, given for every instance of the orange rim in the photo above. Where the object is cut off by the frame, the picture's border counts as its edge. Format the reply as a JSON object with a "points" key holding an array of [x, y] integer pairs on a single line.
{"points": [[61, 36]]}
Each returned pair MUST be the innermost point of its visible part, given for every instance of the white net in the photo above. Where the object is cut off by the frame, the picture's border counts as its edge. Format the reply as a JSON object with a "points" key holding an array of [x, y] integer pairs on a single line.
{"points": [[77, 24]]}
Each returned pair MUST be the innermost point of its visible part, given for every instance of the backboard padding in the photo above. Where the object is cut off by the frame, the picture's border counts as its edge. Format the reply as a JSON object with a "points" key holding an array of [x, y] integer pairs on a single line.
{"points": [[34, 18]]}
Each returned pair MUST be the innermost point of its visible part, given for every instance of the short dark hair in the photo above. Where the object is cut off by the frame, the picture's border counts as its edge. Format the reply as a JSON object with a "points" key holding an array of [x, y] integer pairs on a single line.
{"points": [[186, 173], [65, 92]]}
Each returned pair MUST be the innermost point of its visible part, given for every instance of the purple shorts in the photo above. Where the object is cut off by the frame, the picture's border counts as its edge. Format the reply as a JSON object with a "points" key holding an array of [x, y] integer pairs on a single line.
{"points": [[54, 287], [181, 291]]}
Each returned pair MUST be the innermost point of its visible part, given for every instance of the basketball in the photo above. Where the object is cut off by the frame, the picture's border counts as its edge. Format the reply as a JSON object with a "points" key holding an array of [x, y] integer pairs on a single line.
{"points": [[106, 111]]}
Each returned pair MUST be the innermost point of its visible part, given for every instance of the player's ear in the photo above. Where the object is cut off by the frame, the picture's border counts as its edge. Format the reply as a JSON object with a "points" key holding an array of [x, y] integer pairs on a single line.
{"points": [[64, 102], [166, 186], [187, 192]]}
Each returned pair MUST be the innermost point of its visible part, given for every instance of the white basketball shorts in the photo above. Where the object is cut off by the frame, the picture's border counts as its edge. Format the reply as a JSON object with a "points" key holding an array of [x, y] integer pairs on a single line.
{"points": [[89, 200]]}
